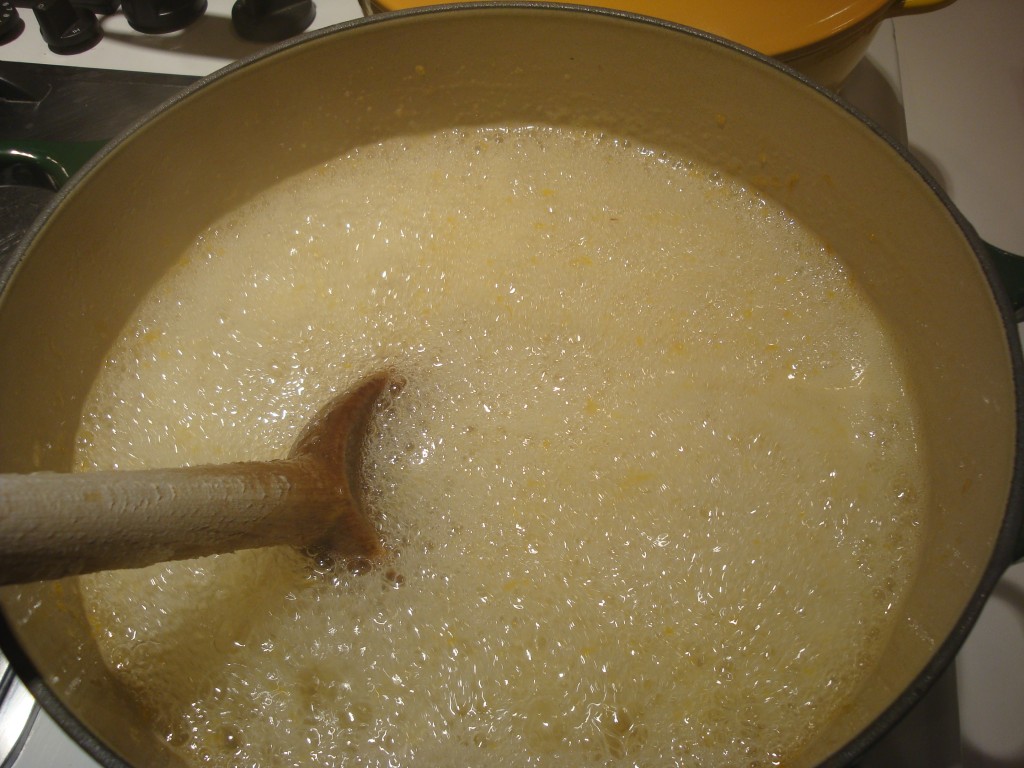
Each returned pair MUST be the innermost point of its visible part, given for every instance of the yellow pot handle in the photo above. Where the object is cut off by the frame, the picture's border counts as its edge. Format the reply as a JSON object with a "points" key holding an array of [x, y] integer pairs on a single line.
{"points": [[905, 7]]}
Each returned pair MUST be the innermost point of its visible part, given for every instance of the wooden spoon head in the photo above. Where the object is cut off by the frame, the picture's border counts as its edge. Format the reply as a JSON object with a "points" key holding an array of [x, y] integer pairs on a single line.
{"points": [[338, 430], [54, 525], [332, 445]]}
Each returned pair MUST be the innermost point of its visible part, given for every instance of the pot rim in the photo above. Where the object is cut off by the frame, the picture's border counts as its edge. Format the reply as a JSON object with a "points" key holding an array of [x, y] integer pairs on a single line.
{"points": [[790, 30], [1011, 532]]}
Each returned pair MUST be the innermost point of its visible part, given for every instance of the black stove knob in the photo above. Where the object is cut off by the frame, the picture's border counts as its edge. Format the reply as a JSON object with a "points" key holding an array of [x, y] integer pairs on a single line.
{"points": [[267, 21], [11, 24], [99, 7], [66, 28], [157, 16]]}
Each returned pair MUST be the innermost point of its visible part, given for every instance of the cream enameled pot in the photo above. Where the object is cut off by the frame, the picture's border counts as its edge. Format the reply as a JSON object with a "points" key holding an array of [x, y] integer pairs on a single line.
{"points": [[81, 271]]}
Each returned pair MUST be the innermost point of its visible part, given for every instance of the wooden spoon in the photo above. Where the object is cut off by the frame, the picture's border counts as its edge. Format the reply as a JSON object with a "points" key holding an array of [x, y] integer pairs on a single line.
{"points": [[54, 525]]}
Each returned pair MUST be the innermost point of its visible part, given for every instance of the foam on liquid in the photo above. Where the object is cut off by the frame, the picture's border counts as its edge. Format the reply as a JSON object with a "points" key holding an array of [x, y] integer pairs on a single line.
{"points": [[652, 487]]}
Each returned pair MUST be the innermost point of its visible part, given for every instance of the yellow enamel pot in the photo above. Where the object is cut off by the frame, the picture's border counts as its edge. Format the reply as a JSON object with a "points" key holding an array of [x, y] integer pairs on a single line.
{"points": [[824, 39]]}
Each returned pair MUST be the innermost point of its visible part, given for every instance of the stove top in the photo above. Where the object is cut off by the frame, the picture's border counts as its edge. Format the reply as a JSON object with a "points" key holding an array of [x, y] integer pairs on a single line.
{"points": [[205, 45], [971, 717]]}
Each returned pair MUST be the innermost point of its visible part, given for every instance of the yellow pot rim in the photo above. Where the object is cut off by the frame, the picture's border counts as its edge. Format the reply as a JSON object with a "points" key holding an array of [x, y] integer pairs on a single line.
{"points": [[773, 27]]}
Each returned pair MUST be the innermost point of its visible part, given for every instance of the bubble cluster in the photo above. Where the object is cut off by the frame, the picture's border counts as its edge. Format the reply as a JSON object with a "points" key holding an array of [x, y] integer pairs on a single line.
{"points": [[651, 493]]}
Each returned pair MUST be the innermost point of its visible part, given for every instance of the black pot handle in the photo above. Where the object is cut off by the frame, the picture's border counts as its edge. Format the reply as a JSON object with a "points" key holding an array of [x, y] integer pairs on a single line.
{"points": [[47, 164], [1010, 268]]}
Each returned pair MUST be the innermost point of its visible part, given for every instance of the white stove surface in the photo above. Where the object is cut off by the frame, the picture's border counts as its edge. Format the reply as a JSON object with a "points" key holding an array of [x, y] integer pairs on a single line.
{"points": [[953, 87]]}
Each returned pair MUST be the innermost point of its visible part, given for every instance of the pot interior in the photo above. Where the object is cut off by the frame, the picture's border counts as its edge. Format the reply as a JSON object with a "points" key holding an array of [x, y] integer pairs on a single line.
{"points": [[85, 270]]}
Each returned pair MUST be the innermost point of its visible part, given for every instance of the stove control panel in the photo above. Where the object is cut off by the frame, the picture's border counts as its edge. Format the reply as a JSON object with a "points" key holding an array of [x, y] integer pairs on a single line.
{"points": [[210, 34], [73, 26]]}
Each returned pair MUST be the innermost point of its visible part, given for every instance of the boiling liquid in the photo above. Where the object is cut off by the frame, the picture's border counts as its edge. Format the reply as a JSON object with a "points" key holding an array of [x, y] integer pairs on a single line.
{"points": [[651, 490]]}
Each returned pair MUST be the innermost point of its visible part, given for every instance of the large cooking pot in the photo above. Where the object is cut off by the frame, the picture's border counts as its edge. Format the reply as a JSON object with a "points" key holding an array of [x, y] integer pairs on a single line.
{"points": [[823, 39], [121, 222]]}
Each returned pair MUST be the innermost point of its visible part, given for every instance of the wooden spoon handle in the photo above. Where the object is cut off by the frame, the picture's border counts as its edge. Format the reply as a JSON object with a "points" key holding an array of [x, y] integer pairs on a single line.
{"points": [[54, 525]]}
